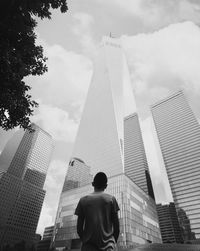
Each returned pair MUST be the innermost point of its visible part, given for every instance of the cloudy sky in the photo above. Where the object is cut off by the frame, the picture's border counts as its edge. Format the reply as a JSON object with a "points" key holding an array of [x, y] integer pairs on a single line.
{"points": [[161, 39]]}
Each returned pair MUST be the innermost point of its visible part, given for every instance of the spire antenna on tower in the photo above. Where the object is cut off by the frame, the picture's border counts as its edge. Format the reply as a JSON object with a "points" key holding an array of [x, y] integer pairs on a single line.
{"points": [[111, 35]]}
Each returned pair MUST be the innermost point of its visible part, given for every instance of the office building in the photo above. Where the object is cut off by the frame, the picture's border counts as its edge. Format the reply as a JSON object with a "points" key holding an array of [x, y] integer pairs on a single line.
{"points": [[45, 243], [135, 161], [77, 167], [186, 231], [169, 224], [23, 164], [100, 145], [48, 232], [179, 136]]}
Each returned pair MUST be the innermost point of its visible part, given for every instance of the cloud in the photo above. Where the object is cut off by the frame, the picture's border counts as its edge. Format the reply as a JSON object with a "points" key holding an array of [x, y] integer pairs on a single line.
{"points": [[53, 186], [143, 10], [56, 122], [156, 14], [84, 19], [163, 62], [189, 10], [83, 29], [45, 219], [66, 83]]}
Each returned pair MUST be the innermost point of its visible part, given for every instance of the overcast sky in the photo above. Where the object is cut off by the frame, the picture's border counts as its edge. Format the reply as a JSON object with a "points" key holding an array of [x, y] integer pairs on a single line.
{"points": [[161, 39]]}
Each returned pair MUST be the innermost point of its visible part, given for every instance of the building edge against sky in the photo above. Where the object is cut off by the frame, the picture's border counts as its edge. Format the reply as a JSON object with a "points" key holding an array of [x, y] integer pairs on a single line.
{"points": [[100, 146], [23, 167], [178, 133]]}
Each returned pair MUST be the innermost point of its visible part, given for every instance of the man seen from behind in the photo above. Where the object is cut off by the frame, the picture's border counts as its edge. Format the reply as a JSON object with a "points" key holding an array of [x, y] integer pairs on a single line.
{"points": [[98, 222]]}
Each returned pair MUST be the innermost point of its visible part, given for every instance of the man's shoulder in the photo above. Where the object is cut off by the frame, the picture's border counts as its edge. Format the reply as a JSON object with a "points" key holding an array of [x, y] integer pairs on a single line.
{"points": [[107, 195], [92, 196], [84, 198]]}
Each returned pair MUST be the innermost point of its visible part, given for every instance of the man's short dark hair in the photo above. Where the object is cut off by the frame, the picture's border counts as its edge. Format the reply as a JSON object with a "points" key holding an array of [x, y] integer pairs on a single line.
{"points": [[100, 180]]}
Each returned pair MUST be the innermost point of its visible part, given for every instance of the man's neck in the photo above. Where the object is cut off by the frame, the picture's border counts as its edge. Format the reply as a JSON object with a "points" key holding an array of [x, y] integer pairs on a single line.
{"points": [[98, 190]]}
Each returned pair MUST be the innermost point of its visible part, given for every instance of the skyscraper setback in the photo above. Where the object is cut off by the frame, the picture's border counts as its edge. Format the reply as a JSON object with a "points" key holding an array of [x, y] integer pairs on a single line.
{"points": [[102, 144], [23, 166], [179, 135]]}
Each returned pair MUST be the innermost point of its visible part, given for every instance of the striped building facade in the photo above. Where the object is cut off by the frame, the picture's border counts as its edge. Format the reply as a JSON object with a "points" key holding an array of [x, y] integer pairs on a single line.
{"points": [[179, 136]]}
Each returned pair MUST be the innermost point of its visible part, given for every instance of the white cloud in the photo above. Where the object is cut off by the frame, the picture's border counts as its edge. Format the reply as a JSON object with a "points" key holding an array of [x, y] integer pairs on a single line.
{"points": [[130, 6], [56, 174], [56, 122], [85, 20], [164, 61], [155, 13], [45, 219], [189, 10], [66, 83], [53, 186], [142, 10], [82, 28]]}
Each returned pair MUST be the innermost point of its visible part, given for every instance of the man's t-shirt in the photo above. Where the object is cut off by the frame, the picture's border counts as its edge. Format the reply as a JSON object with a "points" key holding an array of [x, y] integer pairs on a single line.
{"points": [[97, 209]]}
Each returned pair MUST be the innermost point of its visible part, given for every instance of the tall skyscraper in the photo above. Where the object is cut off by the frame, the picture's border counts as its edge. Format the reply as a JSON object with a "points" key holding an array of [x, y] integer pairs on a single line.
{"points": [[179, 136], [135, 161], [169, 224], [23, 164], [100, 146]]}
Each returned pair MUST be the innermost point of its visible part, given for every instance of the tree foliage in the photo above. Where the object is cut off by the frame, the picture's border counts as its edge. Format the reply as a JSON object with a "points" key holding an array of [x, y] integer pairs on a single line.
{"points": [[20, 57]]}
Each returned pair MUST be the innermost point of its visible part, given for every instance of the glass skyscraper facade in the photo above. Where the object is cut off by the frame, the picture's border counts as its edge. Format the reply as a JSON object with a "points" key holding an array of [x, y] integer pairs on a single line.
{"points": [[23, 164], [135, 161], [100, 145], [179, 136], [78, 175], [169, 223]]}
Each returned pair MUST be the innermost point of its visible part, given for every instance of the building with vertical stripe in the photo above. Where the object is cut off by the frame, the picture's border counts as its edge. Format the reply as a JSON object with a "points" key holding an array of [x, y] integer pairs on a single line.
{"points": [[179, 136], [135, 161]]}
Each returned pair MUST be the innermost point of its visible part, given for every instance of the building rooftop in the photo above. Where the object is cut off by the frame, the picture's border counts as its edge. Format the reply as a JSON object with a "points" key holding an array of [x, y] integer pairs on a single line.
{"points": [[167, 98]]}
